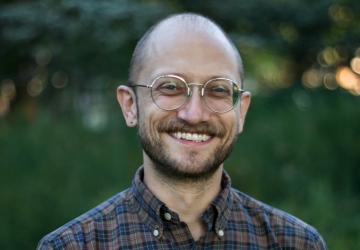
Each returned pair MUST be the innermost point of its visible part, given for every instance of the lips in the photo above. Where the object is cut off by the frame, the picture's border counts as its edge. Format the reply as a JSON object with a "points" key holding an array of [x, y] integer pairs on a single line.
{"points": [[191, 136]]}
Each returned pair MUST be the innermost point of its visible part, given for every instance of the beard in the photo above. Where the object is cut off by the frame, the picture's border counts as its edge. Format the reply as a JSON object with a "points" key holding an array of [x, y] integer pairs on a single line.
{"points": [[191, 168]]}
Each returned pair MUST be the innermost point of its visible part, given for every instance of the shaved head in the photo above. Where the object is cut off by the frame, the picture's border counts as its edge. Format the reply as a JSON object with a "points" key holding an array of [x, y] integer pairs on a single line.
{"points": [[187, 22]]}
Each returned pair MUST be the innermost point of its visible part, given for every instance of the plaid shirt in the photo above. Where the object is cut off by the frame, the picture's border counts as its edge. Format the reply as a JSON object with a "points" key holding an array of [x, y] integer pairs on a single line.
{"points": [[136, 219]]}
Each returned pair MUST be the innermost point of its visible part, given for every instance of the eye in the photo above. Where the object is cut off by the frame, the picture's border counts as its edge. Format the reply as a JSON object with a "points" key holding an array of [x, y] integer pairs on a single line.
{"points": [[169, 85], [220, 88]]}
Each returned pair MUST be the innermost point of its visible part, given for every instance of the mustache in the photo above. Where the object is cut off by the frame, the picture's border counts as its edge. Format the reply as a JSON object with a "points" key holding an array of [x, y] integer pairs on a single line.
{"points": [[185, 127]]}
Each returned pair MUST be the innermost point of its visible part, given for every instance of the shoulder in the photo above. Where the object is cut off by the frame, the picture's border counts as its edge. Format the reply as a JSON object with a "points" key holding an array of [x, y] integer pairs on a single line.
{"points": [[96, 220], [279, 226]]}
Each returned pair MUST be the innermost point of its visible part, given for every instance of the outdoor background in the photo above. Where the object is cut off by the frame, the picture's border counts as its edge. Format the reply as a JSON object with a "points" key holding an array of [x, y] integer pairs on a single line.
{"points": [[64, 146]]}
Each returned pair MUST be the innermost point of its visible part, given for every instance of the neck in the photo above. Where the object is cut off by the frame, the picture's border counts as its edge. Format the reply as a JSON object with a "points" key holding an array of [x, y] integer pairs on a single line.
{"points": [[189, 199]]}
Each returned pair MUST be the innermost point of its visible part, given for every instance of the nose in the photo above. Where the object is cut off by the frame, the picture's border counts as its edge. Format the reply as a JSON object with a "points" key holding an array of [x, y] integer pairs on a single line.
{"points": [[194, 109]]}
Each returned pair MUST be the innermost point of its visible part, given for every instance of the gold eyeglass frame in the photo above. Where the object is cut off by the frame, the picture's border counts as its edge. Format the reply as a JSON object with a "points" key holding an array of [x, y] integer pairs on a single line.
{"points": [[189, 91]]}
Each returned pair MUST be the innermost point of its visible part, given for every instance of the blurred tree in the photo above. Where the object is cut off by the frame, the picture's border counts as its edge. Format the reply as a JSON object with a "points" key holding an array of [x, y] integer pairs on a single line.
{"points": [[49, 47], [87, 45]]}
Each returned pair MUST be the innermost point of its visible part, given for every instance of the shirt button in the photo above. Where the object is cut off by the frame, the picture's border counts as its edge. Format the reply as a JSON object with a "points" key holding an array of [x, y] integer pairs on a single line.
{"points": [[167, 216], [156, 232], [221, 233]]}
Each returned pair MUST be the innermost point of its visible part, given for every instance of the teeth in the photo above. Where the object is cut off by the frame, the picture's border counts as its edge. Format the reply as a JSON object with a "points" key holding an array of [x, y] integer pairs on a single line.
{"points": [[191, 137], [188, 137], [205, 137]]}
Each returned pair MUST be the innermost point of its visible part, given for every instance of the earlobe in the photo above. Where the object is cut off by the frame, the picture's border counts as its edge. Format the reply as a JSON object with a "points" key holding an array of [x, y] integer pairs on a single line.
{"points": [[127, 100], [244, 106]]}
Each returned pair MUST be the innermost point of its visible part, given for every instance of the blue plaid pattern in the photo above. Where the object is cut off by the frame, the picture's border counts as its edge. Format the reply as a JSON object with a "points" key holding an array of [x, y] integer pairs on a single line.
{"points": [[135, 219]]}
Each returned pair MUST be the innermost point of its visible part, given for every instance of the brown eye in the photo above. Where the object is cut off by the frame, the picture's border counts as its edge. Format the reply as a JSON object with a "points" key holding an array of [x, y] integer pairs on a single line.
{"points": [[169, 86], [220, 89]]}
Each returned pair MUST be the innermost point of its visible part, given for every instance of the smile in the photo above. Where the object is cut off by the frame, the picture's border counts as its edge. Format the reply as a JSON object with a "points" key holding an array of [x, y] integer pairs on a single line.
{"points": [[191, 137]]}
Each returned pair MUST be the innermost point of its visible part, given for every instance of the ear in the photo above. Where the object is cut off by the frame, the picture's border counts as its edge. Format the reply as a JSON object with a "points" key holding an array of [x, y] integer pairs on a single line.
{"points": [[127, 100], [244, 106]]}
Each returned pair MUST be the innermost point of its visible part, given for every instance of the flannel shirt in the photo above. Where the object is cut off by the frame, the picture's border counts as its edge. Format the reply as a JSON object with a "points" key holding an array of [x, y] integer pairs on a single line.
{"points": [[136, 219]]}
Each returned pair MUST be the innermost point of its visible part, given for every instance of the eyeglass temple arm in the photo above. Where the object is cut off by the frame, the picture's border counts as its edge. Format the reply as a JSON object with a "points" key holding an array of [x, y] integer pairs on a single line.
{"points": [[139, 85]]}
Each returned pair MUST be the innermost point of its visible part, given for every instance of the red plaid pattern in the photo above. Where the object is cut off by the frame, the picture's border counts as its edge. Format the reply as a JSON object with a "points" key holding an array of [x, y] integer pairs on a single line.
{"points": [[136, 219]]}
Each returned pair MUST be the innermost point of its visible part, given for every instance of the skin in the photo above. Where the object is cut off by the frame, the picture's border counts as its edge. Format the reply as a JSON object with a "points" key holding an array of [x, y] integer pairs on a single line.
{"points": [[197, 55]]}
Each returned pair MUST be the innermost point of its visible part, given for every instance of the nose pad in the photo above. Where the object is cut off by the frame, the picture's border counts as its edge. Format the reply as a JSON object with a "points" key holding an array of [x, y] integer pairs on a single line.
{"points": [[190, 93]]}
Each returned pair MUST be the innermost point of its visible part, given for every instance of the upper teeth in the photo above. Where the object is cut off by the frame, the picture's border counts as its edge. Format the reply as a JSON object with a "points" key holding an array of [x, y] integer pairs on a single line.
{"points": [[191, 137]]}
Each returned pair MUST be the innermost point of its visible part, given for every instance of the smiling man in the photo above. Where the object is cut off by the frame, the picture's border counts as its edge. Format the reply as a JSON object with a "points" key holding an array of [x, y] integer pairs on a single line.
{"points": [[185, 96]]}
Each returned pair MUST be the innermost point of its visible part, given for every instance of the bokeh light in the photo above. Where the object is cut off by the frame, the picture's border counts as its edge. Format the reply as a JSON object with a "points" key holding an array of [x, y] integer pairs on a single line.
{"points": [[302, 100], [43, 57], [288, 32], [59, 79], [330, 56], [4, 106], [341, 14], [355, 64], [348, 80], [8, 89], [330, 81], [35, 87], [311, 78]]}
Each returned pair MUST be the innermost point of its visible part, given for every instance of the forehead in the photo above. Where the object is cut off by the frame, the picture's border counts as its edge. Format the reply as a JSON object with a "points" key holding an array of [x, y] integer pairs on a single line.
{"points": [[191, 50]]}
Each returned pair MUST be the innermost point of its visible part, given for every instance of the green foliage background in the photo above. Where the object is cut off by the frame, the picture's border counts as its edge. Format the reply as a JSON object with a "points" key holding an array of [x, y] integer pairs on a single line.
{"points": [[65, 150]]}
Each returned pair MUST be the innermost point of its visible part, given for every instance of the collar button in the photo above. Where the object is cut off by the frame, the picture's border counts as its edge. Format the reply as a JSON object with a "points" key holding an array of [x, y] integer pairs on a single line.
{"points": [[167, 216], [220, 233]]}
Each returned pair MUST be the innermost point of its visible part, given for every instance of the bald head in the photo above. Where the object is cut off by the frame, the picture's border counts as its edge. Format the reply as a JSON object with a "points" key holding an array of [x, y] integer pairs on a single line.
{"points": [[187, 24]]}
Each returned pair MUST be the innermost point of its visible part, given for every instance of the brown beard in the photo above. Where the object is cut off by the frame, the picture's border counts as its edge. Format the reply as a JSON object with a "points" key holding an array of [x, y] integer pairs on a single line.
{"points": [[170, 168], [185, 127]]}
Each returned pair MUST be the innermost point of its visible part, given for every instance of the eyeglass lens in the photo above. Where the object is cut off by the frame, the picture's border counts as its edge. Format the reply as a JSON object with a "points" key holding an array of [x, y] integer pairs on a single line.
{"points": [[220, 95]]}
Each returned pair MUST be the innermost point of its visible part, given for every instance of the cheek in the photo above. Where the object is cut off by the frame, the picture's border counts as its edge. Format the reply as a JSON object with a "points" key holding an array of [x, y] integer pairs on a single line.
{"points": [[232, 126], [149, 118], [144, 107]]}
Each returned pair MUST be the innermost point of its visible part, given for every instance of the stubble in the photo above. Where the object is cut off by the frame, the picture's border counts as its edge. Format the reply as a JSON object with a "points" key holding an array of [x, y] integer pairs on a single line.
{"points": [[191, 168]]}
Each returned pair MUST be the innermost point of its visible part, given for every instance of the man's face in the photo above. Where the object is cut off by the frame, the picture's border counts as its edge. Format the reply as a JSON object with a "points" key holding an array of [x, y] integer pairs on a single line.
{"points": [[189, 143]]}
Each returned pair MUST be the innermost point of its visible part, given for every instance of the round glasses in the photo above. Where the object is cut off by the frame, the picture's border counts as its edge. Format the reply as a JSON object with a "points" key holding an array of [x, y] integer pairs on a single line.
{"points": [[170, 92]]}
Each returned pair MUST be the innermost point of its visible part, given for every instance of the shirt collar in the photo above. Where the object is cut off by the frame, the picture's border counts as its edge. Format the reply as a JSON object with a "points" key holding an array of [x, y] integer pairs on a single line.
{"points": [[223, 203], [150, 208], [146, 204]]}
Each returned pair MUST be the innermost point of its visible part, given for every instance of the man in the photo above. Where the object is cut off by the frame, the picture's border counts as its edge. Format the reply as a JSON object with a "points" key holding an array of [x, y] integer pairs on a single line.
{"points": [[185, 96]]}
